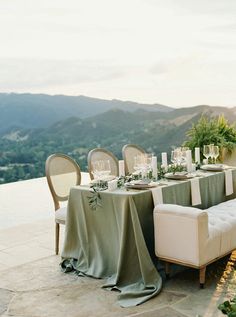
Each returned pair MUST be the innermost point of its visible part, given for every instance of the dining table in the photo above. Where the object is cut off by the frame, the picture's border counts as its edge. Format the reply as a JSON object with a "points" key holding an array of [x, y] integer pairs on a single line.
{"points": [[115, 240]]}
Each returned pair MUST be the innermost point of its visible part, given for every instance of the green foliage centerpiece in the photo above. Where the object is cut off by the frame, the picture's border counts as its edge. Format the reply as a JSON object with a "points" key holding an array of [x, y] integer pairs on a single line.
{"points": [[215, 131]]}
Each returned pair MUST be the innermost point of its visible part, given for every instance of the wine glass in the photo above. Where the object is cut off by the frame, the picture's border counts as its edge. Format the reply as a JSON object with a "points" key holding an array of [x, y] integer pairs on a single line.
{"points": [[97, 168], [211, 146], [105, 169], [173, 157], [215, 152], [148, 159], [184, 154], [137, 161], [207, 151], [178, 155]]}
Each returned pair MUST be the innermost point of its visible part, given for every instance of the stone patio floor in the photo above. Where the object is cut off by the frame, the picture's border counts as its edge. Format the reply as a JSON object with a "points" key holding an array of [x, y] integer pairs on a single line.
{"points": [[32, 285]]}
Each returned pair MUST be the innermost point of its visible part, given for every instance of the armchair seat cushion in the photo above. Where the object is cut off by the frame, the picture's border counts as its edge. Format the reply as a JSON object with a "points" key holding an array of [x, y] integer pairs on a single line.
{"points": [[193, 236], [222, 220]]}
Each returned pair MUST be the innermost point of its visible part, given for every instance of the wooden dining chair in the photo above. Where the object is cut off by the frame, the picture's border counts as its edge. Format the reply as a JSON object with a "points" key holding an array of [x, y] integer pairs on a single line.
{"points": [[62, 173], [100, 154], [129, 151]]}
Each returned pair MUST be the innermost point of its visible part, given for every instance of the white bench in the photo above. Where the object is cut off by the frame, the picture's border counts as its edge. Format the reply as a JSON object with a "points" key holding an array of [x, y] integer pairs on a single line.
{"points": [[194, 237]]}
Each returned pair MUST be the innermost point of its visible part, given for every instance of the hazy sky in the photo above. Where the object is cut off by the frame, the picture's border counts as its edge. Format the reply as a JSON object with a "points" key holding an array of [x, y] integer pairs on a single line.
{"points": [[174, 52]]}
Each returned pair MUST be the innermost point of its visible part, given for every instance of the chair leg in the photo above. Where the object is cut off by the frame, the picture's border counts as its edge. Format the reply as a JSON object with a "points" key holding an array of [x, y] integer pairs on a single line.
{"points": [[57, 235], [202, 276], [167, 269]]}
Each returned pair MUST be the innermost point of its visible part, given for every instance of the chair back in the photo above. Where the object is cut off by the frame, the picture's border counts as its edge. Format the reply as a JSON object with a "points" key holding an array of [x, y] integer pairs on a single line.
{"points": [[99, 154], [62, 173], [129, 151]]}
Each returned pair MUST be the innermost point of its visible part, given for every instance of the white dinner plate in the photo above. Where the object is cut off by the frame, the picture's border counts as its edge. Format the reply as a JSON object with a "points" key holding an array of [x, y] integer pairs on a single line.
{"points": [[140, 185], [178, 176], [213, 167], [105, 179]]}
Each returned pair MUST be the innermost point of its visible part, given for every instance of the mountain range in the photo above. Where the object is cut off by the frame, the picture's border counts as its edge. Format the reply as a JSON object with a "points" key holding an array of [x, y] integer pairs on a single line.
{"points": [[30, 134], [40, 110]]}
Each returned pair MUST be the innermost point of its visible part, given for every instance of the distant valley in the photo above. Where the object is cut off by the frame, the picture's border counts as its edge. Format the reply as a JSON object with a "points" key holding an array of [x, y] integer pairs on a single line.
{"points": [[31, 132]]}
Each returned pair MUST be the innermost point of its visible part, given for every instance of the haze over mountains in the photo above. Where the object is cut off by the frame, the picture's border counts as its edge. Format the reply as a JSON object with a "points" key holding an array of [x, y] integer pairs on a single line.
{"points": [[35, 126], [40, 110]]}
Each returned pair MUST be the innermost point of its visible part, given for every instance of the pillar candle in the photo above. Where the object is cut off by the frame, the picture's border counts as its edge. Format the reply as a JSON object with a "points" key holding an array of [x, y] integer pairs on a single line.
{"points": [[189, 160], [197, 155], [121, 168], [164, 160], [154, 166]]}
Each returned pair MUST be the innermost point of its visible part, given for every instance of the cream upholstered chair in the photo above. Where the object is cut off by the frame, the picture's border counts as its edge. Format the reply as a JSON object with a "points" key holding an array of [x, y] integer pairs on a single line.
{"points": [[100, 154], [194, 237], [129, 151], [62, 173]]}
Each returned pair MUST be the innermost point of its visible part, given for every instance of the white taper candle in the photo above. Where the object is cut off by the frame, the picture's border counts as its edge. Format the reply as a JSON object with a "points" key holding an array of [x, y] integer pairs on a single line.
{"points": [[121, 168], [154, 166], [189, 160], [164, 159], [197, 155]]}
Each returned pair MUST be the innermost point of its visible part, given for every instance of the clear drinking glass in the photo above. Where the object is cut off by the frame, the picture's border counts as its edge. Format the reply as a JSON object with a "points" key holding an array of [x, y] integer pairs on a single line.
{"points": [[176, 156], [211, 146], [101, 169], [207, 151], [138, 163], [105, 169], [216, 152], [173, 157], [148, 159], [184, 154], [97, 168]]}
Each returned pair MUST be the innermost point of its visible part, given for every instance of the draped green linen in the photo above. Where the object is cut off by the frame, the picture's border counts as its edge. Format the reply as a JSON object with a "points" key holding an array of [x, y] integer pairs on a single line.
{"points": [[212, 189], [110, 242], [116, 241]]}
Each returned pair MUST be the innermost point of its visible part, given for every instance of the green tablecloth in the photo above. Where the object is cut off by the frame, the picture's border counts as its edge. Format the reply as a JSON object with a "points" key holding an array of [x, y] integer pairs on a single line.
{"points": [[109, 242], [116, 241], [212, 188]]}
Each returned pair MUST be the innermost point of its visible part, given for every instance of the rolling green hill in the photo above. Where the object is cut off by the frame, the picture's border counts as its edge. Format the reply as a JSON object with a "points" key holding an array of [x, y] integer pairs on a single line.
{"points": [[23, 151]]}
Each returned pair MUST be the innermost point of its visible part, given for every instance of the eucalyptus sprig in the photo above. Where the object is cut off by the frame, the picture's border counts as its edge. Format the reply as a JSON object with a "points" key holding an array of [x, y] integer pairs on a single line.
{"points": [[95, 199]]}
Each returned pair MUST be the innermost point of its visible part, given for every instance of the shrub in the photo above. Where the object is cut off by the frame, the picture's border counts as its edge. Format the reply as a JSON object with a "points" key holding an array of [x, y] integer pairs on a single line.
{"points": [[215, 131]]}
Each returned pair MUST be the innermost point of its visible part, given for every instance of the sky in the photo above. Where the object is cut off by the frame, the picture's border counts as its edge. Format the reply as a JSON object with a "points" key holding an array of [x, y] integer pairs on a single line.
{"points": [[175, 52]]}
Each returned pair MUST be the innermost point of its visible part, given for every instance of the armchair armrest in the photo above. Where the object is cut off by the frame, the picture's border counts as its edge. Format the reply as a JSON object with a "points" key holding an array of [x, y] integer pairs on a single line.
{"points": [[180, 233]]}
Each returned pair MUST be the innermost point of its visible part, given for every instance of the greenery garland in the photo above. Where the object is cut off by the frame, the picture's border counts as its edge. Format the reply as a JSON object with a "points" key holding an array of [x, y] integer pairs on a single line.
{"points": [[94, 199]]}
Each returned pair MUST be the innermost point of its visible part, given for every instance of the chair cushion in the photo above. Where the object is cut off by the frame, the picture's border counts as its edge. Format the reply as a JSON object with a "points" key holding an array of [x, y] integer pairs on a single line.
{"points": [[60, 215], [200, 236]]}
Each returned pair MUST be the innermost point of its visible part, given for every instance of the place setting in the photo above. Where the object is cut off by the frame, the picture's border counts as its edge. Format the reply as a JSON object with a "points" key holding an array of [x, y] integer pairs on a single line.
{"points": [[148, 174], [145, 173]]}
